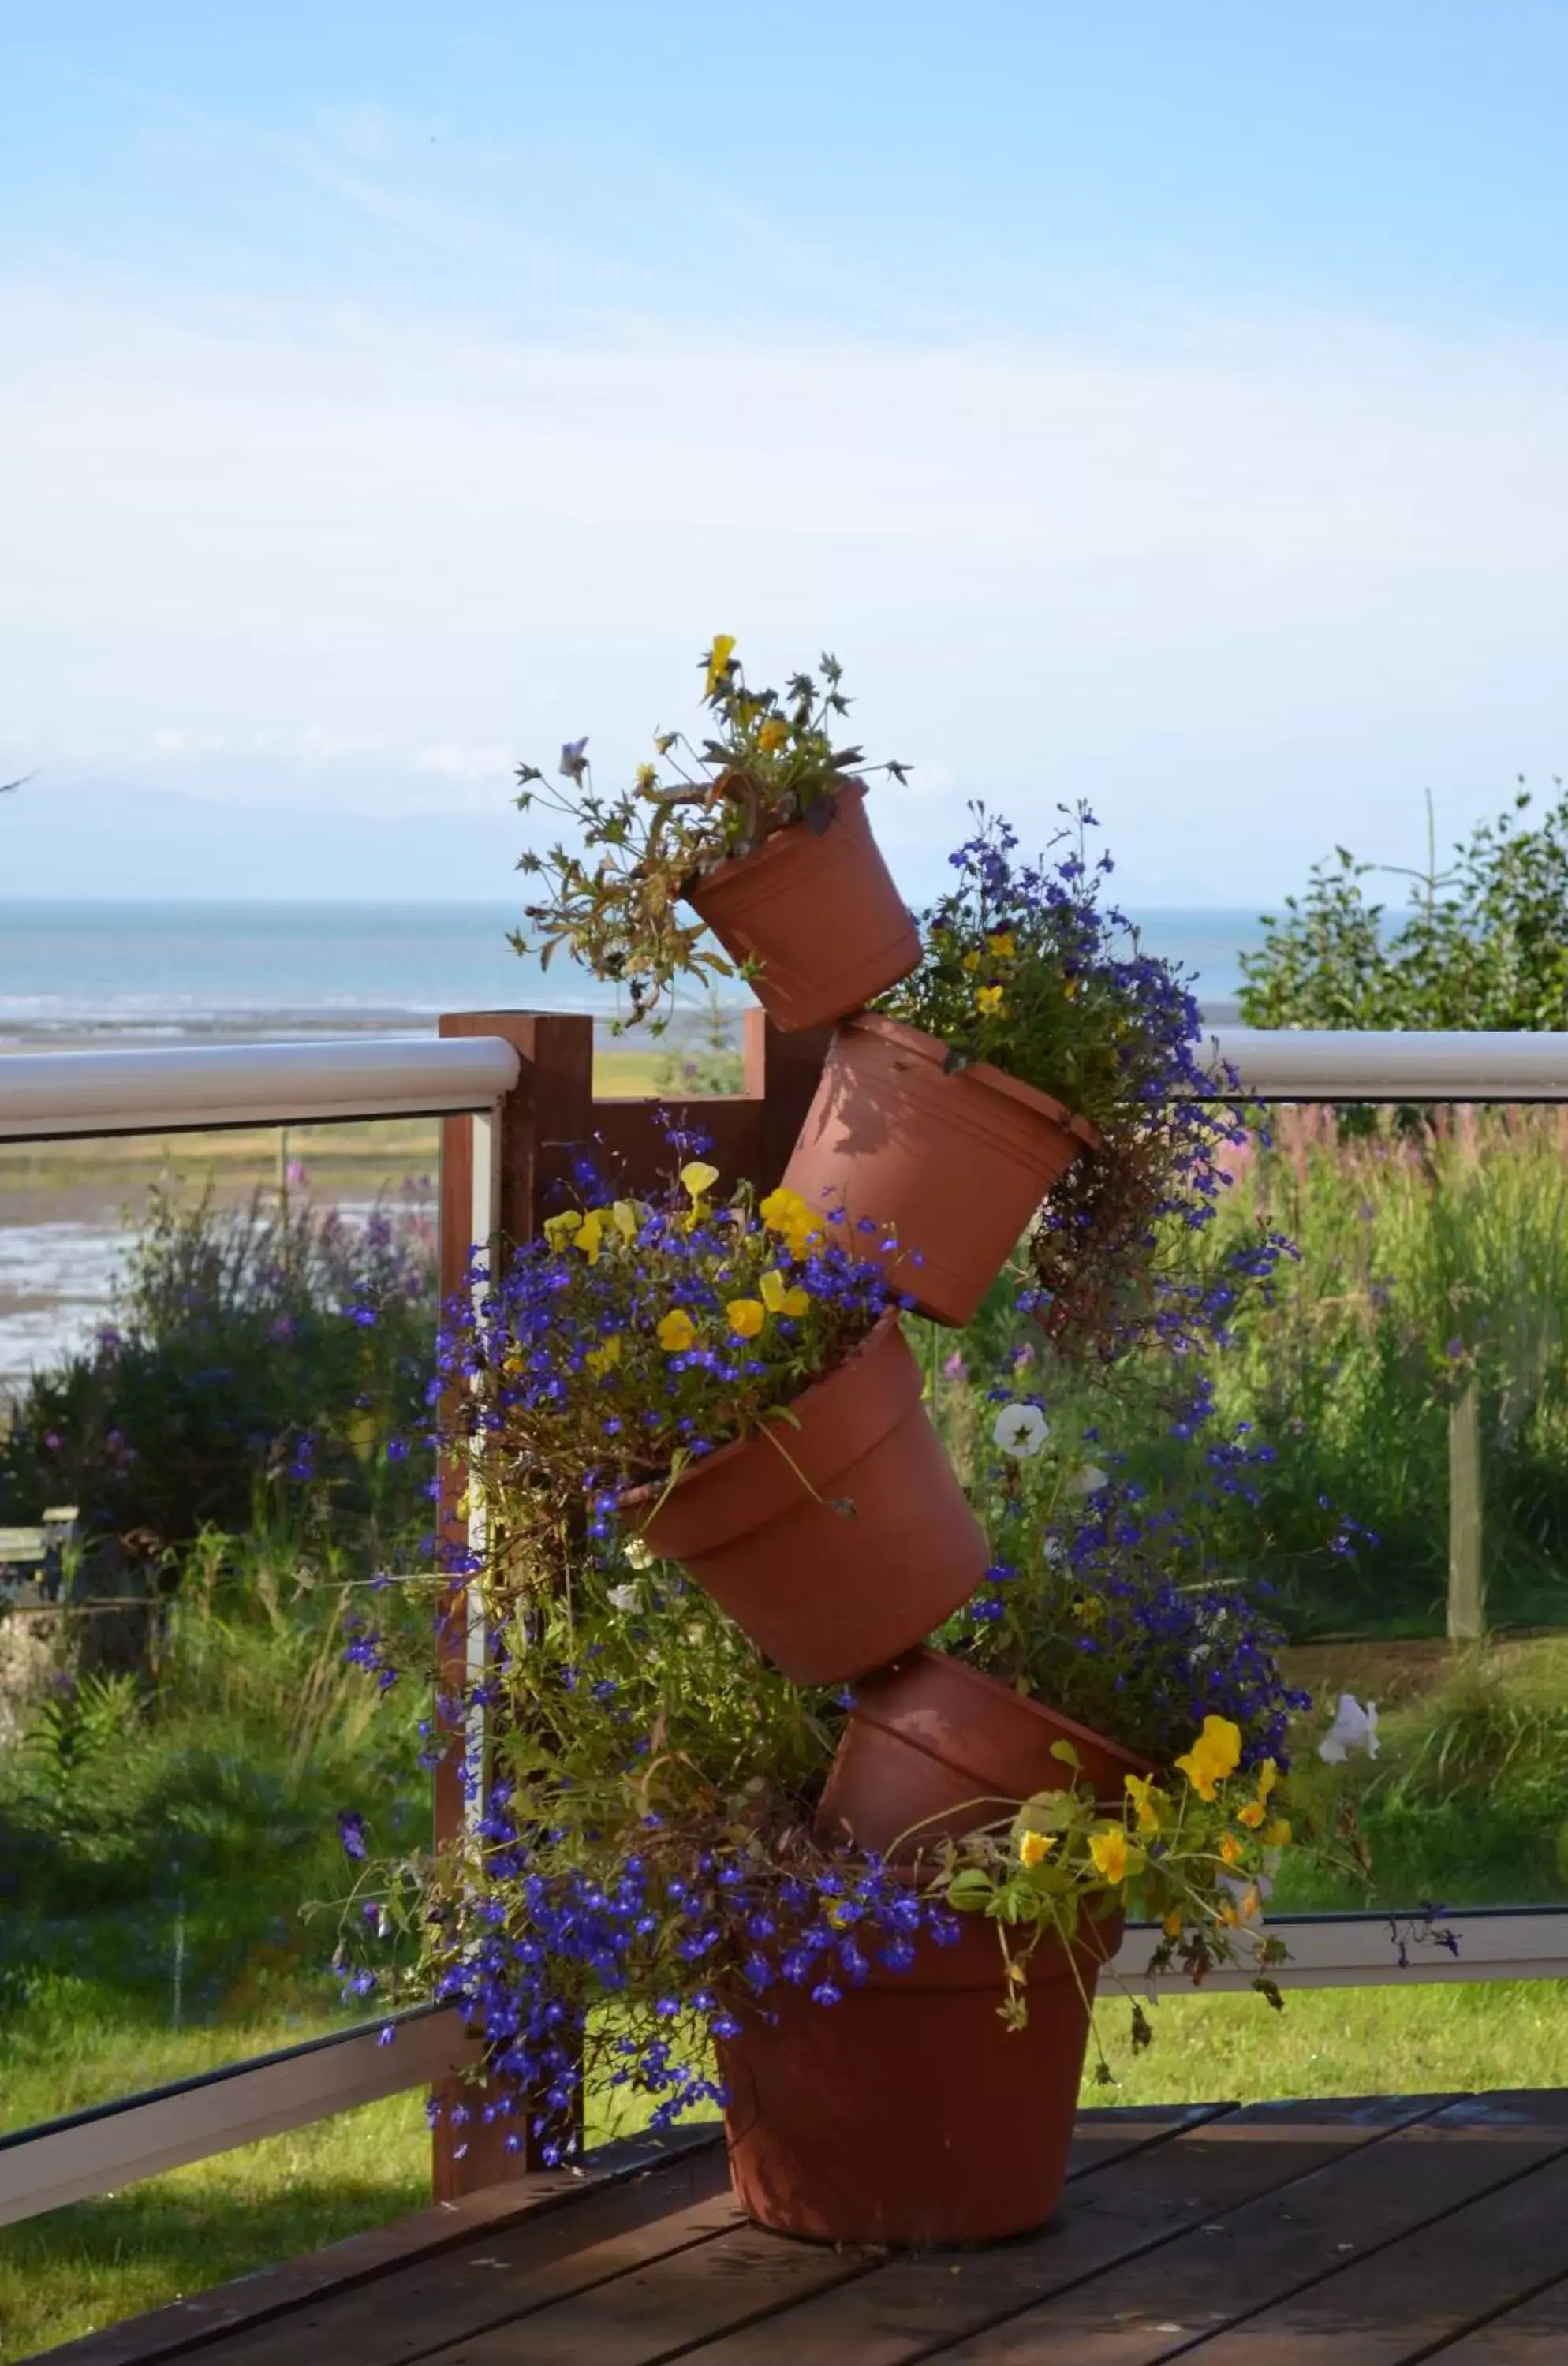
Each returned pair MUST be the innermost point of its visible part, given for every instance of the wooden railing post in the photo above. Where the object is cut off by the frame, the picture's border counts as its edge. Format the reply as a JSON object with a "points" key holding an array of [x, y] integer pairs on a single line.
{"points": [[549, 1118]]}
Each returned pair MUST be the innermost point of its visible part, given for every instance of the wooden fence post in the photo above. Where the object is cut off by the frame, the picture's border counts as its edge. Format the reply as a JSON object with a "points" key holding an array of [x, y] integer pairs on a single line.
{"points": [[549, 1117], [1467, 1583]]}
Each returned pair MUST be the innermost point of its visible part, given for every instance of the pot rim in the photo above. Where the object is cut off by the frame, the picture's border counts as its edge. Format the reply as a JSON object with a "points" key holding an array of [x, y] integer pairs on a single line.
{"points": [[654, 1491], [984, 1072], [852, 790], [952, 1664]]}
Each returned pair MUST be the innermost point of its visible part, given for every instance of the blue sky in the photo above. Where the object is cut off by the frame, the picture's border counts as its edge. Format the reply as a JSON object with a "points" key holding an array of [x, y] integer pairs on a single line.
{"points": [[1166, 405]]}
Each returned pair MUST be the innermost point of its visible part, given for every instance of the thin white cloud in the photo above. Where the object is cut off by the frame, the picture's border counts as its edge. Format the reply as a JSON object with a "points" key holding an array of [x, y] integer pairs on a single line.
{"points": [[1277, 577]]}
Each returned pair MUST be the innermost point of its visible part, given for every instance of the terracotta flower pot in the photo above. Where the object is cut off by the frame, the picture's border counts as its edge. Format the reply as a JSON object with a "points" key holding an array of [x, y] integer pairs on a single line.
{"points": [[818, 909], [836, 1544], [908, 2113], [933, 1743], [953, 1167]]}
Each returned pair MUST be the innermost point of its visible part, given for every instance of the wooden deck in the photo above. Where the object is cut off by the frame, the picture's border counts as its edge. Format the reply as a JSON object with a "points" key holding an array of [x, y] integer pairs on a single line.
{"points": [[1370, 2233]]}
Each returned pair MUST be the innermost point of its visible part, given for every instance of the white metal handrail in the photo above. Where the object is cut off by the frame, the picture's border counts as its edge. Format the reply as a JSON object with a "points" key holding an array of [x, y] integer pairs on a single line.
{"points": [[48, 1095], [55, 1094], [1348, 1064]]}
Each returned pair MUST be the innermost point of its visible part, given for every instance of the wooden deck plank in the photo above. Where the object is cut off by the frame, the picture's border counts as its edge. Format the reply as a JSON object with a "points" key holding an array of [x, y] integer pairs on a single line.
{"points": [[1534, 2334], [500, 2277], [1243, 2260], [668, 2308], [917, 2305], [187, 2324], [743, 2277], [1411, 2298]]}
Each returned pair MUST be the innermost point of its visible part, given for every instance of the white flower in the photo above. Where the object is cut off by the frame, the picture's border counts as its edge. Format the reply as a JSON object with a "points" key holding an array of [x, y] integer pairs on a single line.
{"points": [[1054, 1551], [1088, 1481], [624, 1596], [1020, 1430], [636, 1554], [1354, 1727]]}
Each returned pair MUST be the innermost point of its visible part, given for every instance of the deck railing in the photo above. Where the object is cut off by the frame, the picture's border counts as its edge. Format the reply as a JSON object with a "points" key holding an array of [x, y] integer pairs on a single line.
{"points": [[515, 1091]]}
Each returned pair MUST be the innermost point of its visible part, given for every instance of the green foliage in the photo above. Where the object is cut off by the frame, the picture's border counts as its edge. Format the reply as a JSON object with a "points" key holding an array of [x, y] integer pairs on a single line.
{"points": [[1484, 944], [769, 762], [209, 1792], [250, 1349], [1427, 1262]]}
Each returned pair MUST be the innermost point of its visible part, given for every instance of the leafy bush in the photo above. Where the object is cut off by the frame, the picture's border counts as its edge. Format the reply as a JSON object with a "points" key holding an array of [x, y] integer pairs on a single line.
{"points": [[250, 1349], [1482, 944]]}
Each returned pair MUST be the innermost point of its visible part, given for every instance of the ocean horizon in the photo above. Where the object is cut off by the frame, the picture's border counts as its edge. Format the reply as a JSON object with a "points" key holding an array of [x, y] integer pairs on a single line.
{"points": [[159, 971]]}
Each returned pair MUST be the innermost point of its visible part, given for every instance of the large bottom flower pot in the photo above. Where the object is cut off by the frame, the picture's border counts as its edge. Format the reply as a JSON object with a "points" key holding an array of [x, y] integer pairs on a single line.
{"points": [[934, 1748], [819, 913], [908, 2113], [838, 1539], [952, 1167]]}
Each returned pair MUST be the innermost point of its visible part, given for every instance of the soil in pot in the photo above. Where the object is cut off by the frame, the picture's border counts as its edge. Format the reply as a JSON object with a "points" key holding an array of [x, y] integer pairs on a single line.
{"points": [[908, 2113], [819, 912], [933, 1749], [839, 1540], [952, 1167]]}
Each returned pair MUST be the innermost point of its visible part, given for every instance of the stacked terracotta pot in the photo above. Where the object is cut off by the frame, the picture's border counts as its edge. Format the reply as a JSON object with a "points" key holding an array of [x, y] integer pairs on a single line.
{"points": [[908, 2111]]}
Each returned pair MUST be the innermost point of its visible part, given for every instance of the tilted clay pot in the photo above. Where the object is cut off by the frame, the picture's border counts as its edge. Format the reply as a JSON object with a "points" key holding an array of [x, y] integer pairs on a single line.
{"points": [[953, 1168], [818, 910], [838, 1539], [933, 1749]]}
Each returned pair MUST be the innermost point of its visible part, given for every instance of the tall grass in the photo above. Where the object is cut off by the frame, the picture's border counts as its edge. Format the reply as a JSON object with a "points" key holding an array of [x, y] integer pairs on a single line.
{"points": [[1427, 1261]]}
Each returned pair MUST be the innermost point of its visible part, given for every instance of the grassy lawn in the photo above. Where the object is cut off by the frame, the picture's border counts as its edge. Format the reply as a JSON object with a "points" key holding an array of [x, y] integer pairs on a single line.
{"points": [[99, 2261]]}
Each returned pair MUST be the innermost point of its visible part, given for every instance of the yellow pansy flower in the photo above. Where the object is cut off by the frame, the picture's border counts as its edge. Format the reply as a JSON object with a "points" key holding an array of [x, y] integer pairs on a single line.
{"points": [[1172, 1923], [989, 998], [718, 662], [623, 1215], [774, 734], [746, 1316], [781, 1297], [1230, 1848], [786, 1212], [698, 1176], [1268, 1776], [1277, 1833], [1252, 1814], [677, 1332], [1214, 1754], [1141, 1791], [1108, 1851], [559, 1229], [590, 1233], [1003, 944], [1033, 1847], [604, 1359], [646, 775], [971, 963]]}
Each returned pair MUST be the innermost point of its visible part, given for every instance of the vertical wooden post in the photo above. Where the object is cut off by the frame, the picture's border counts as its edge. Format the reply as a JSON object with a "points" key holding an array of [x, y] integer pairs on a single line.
{"points": [[550, 1109], [1467, 1585], [550, 1115]]}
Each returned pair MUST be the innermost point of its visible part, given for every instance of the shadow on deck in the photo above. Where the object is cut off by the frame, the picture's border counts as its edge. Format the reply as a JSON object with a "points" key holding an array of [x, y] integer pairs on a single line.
{"points": [[1370, 2233]]}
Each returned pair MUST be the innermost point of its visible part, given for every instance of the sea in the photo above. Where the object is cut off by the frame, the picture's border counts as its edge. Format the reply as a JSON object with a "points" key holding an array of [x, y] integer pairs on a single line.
{"points": [[74, 975], [172, 972]]}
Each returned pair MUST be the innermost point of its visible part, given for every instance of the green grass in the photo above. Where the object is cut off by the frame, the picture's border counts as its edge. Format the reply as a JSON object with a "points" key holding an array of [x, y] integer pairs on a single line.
{"points": [[97, 2263]]}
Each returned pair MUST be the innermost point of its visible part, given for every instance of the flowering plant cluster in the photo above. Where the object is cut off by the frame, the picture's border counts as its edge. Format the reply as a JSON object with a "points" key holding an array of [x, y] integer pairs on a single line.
{"points": [[639, 1863], [1027, 968], [1196, 1857], [634, 1338], [1105, 1602], [768, 760]]}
